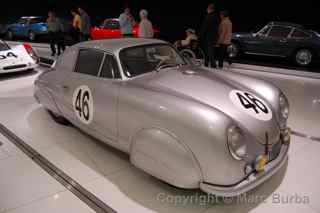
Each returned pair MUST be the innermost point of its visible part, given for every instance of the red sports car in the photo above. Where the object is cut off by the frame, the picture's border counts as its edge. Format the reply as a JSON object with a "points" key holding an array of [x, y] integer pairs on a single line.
{"points": [[110, 28]]}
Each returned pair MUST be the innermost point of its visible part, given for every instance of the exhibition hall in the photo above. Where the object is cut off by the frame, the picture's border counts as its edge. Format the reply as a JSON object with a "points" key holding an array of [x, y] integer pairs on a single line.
{"points": [[169, 107]]}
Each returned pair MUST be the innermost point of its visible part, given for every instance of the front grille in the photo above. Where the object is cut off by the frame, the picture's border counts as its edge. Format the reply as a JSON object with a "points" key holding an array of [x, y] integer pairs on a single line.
{"points": [[14, 67]]}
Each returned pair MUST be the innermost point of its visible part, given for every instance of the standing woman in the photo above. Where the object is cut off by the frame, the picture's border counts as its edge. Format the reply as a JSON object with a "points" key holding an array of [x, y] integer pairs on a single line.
{"points": [[76, 26], [145, 26], [55, 33]]}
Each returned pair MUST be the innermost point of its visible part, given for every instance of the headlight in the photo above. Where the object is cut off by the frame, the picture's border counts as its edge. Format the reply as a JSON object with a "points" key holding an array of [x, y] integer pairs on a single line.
{"points": [[236, 143], [284, 107]]}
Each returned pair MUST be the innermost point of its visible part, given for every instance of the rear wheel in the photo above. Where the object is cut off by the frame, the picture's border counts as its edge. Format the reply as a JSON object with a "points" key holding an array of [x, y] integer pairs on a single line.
{"points": [[187, 53], [58, 118], [303, 57]]}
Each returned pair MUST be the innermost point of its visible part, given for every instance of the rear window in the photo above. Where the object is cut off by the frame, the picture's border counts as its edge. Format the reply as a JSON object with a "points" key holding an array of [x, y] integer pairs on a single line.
{"points": [[89, 62], [4, 46]]}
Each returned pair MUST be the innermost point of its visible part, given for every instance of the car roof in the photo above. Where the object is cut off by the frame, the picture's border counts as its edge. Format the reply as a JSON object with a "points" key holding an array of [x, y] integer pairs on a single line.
{"points": [[115, 45], [289, 24]]}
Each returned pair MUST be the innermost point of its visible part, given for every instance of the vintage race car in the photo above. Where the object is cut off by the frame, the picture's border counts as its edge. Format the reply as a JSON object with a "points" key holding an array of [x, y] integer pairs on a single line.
{"points": [[110, 28], [17, 58], [28, 27], [189, 126]]}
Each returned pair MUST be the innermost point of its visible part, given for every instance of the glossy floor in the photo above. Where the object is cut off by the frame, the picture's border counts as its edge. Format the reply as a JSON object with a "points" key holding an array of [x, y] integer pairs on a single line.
{"points": [[107, 173]]}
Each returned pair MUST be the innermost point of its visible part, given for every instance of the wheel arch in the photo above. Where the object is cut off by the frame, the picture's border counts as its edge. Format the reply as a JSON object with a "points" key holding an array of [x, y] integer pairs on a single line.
{"points": [[163, 155]]}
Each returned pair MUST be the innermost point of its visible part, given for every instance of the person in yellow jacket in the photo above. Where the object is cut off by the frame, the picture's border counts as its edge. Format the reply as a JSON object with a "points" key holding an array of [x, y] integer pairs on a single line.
{"points": [[76, 24], [224, 37]]}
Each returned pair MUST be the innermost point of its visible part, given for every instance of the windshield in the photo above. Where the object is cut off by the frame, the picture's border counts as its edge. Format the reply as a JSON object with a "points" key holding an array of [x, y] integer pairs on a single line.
{"points": [[3, 46], [143, 59]]}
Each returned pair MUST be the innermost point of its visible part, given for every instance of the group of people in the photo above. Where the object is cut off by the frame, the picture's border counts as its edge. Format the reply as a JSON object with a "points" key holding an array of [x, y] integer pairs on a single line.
{"points": [[80, 29], [81, 25], [127, 22], [215, 33], [215, 37]]}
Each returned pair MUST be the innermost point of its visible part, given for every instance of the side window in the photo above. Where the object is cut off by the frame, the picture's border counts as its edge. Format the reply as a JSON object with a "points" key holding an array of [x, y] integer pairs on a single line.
{"points": [[110, 68], [279, 32], [89, 62], [111, 25], [299, 34], [264, 31]]}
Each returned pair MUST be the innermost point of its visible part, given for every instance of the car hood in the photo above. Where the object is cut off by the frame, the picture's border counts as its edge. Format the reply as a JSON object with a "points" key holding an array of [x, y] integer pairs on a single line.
{"points": [[217, 89]]}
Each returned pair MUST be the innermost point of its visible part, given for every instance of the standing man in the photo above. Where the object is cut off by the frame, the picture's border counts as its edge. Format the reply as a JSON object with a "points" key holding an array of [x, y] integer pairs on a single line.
{"points": [[85, 25], [209, 36], [225, 35], [76, 26], [56, 34], [145, 26], [126, 22]]}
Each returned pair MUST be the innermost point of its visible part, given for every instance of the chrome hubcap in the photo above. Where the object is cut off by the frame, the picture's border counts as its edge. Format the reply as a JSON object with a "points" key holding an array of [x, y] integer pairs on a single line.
{"points": [[303, 57], [233, 50]]}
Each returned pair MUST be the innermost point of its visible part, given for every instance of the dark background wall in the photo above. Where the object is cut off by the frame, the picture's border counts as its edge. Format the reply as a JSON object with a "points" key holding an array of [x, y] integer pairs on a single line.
{"points": [[173, 17]]}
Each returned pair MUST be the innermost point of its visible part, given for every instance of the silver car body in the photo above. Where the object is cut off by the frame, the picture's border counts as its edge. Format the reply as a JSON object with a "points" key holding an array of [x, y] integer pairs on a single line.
{"points": [[173, 123], [15, 59]]}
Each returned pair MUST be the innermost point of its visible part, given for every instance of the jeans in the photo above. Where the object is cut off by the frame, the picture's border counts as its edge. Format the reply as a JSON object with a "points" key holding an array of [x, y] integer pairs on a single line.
{"points": [[56, 39], [223, 55], [210, 55]]}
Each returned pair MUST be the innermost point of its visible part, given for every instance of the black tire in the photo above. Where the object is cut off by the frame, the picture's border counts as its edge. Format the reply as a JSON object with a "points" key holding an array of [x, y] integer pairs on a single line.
{"points": [[189, 54], [58, 118], [9, 35], [31, 36], [303, 57]]}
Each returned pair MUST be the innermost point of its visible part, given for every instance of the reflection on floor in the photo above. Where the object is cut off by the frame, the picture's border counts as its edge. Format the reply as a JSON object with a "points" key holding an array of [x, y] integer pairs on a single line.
{"points": [[107, 173]]}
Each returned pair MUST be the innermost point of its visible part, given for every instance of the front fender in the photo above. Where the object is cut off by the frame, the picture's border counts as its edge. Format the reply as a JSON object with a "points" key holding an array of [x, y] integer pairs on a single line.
{"points": [[162, 155]]}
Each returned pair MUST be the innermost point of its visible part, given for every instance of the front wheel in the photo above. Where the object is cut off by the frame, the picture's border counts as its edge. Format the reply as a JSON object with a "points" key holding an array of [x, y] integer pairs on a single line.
{"points": [[233, 50], [303, 57]]}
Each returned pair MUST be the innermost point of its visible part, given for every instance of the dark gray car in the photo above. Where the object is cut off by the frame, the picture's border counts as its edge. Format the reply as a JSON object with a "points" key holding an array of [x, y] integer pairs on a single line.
{"points": [[279, 39]]}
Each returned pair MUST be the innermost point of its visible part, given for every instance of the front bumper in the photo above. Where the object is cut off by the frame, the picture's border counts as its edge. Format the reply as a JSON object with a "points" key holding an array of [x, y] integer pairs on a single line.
{"points": [[252, 181], [29, 66]]}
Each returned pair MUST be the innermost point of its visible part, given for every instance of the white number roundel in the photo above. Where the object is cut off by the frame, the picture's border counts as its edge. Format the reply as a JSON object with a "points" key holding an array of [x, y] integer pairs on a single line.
{"points": [[82, 101], [251, 105]]}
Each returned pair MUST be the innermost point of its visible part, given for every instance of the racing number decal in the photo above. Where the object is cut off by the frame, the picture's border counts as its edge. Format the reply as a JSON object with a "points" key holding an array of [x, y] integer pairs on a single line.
{"points": [[251, 105], [83, 104], [8, 55]]}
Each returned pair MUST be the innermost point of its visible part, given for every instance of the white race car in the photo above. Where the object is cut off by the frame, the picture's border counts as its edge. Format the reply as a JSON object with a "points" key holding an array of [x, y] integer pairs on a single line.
{"points": [[17, 58]]}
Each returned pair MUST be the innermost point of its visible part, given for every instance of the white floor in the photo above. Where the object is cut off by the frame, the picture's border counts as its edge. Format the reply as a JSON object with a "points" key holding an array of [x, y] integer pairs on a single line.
{"points": [[25, 187]]}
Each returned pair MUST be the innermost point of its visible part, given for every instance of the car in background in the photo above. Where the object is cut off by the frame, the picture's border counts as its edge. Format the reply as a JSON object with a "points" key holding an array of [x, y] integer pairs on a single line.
{"points": [[279, 39], [110, 28], [17, 58], [223, 132], [27, 27]]}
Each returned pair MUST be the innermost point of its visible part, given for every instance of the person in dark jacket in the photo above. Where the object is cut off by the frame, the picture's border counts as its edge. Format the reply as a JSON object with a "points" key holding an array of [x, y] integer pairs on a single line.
{"points": [[209, 36], [56, 34]]}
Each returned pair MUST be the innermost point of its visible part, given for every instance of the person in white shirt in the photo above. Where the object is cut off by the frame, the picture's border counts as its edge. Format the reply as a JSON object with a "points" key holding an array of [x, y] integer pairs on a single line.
{"points": [[145, 26]]}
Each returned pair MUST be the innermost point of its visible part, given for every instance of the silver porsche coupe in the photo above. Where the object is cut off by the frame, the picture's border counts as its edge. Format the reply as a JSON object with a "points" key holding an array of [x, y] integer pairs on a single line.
{"points": [[189, 126]]}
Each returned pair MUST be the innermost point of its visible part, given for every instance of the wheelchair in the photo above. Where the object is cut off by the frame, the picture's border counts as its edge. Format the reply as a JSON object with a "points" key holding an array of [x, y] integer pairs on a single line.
{"points": [[192, 51]]}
